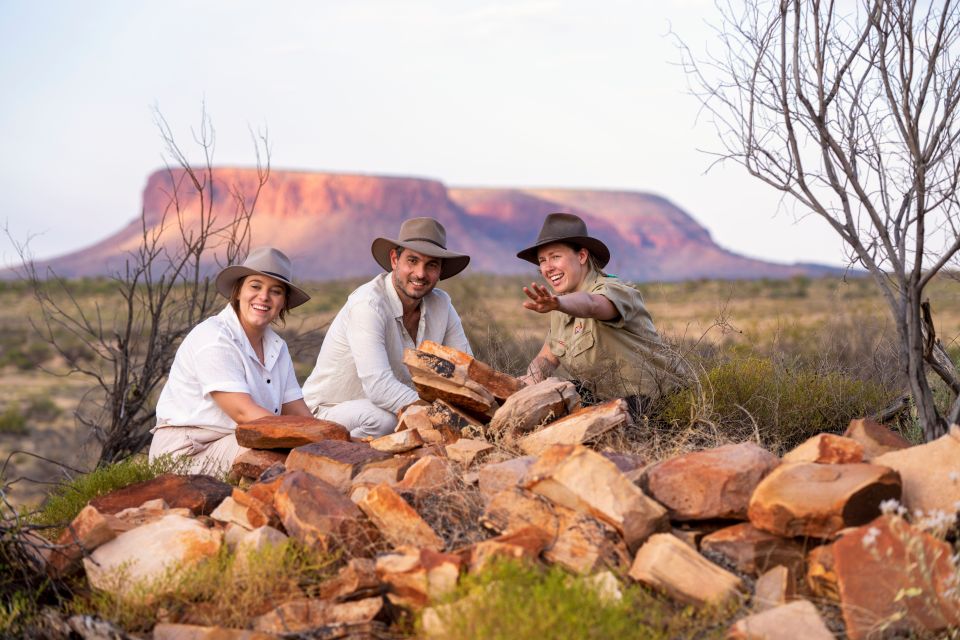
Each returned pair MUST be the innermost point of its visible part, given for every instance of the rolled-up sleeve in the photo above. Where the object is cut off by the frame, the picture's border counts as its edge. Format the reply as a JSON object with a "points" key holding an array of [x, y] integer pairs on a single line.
{"points": [[365, 335], [219, 367], [628, 302]]}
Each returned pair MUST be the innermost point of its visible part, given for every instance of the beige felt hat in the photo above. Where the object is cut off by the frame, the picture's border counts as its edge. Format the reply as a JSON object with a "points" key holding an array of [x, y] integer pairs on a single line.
{"points": [[423, 235], [566, 227], [266, 261]]}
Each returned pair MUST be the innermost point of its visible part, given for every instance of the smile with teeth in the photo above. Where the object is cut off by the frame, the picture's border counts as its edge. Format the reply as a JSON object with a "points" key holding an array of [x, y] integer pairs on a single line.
{"points": [[260, 307], [555, 278]]}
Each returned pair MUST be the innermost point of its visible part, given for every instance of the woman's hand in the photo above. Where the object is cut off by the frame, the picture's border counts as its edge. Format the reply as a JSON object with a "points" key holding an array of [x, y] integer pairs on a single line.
{"points": [[541, 300]]}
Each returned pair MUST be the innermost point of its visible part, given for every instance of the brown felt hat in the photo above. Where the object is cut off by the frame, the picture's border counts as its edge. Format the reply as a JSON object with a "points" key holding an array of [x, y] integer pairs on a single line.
{"points": [[426, 236], [266, 261], [566, 227]]}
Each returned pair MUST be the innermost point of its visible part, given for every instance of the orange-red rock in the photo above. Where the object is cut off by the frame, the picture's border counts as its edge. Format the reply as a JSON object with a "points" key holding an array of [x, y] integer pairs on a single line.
{"points": [[821, 579], [201, 494], [714, 483], [304, 614], [818, 500], [752, 550], [798, 619], [436, 378], [584, 481], [534, 406], [514, 509], [495, 477], [169, 631], [466, 451], [416, 576], [399, 523], [775, 587], [89, 530], [287, 432], [892, 576], [333, 461], [670, 565], [430, 473], [252, 463], [318, 515], [930, 473], [581, 426], [586, 545], [523, 544], [826, 448], [398, 441], [357, 577], [875, 438], [500, 385]]}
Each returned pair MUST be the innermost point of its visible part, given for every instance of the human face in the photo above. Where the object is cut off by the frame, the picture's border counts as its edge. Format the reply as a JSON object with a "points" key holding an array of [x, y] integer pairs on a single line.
{"points": [[414, 274], [562, 267], [260, 301]]}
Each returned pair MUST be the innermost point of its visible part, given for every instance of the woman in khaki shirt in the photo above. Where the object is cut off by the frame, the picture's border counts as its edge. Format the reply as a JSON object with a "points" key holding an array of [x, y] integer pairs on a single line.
{"points": [[600, 331]]}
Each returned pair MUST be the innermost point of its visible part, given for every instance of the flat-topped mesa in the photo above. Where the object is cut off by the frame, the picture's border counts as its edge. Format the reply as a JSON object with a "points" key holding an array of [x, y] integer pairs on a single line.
{"points": [[499, 384], [437, 378]]}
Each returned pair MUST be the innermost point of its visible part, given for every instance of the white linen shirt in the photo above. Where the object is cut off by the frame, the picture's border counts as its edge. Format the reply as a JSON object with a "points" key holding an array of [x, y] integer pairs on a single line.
{"points": [[217, 356], [362, 353]]}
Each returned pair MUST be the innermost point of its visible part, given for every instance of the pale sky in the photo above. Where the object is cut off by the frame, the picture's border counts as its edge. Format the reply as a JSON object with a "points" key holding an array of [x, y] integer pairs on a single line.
{"points": [[537, 93]]}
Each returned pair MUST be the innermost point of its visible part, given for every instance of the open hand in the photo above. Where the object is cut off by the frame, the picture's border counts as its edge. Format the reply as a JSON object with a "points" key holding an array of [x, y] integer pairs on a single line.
{"points": [[541, 300]]}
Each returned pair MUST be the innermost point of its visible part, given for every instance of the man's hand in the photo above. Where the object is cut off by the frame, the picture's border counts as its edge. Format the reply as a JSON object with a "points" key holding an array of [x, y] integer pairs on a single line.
{"points": [[541, 300]]}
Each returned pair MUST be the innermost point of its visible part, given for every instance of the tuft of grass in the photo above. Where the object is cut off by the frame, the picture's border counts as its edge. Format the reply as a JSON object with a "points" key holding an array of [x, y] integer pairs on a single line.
{"points": [[513, 601], [16, 612], [67, 499], [42, 408], [781, 405], [224, 591], [13, 422]]}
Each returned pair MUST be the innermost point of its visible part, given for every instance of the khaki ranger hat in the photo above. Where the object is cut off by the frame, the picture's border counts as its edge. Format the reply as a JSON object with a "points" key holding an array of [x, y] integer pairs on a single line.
{"points": [[426, 236], [566, 227], [266, 261]]}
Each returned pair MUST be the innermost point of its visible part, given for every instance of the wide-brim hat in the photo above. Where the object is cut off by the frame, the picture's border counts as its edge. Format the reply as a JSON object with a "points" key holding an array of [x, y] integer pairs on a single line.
{"points": [[266, 261], [566, 227], [423, 235]]}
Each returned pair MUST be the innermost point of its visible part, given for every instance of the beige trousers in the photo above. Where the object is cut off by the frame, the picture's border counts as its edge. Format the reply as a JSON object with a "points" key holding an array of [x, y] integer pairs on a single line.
{"points": [[207, 451]]}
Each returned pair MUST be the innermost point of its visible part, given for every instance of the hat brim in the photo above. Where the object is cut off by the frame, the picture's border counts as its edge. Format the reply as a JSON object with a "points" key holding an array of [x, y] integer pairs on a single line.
{"points": [[596, 248], [453, 263], [228, 277]]}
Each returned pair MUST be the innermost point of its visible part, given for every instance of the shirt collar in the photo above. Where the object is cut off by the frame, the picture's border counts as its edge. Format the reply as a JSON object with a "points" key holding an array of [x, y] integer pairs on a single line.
{"points": [[393, 298], [271, 341]]}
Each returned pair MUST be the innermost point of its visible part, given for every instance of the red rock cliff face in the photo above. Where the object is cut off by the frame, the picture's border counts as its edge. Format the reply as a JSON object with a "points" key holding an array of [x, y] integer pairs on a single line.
{"points": [[326, 223]]}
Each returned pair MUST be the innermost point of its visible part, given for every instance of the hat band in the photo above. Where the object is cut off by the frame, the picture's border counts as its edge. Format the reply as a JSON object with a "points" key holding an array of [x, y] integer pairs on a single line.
{"points": [[274, 274], [430, 240]]}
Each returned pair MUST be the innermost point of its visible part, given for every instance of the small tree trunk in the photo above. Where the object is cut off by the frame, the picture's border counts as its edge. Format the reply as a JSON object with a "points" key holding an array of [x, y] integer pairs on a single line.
{"points": [[931, 421]]}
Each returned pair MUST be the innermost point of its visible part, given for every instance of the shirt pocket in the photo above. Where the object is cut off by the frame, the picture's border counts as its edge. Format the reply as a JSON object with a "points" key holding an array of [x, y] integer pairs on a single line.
{"points": [[557, 348], [583, 343]]}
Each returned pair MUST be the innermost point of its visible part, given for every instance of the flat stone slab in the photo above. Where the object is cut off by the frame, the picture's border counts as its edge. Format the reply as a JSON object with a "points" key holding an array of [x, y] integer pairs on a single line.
{"points": [[522, 545], [753, 550], [515, 509], [287, 432], [466, 451], [586, 545], [168, 631], [875, 438], [584, 481], [150, 552], [826, 448], [500, 385], [818, 500], [581, 426], [495, 477], [799, 619], [430, 473], [670, 565], [892, 576], [305, 614], [930, 473], [318, 515], [417, 576], [398, 442], [437, 378], [535, 405], [201, 494], [714, 483], [399, 523], [334, 461], [252, 463]]}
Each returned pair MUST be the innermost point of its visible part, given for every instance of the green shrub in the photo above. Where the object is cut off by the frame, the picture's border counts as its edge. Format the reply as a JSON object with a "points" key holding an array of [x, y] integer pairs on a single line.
{"points": [[511, 601], [12, 421], [67, 499], [42, 408], [749, 396]]}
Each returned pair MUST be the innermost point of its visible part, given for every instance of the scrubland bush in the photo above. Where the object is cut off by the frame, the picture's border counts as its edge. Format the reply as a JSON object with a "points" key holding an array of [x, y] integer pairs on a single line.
{"points": [[512, 601], [12, 421]]}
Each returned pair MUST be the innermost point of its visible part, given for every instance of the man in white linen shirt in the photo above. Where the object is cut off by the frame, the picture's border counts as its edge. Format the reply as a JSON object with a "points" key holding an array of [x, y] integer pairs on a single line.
{"points": [[360, 380]]}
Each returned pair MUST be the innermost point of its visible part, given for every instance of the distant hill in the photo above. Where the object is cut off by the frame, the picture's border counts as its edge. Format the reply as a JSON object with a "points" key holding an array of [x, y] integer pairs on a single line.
{"points": [[326, 222]]}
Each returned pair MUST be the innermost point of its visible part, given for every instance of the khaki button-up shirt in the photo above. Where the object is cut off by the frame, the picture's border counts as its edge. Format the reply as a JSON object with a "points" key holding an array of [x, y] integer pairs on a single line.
{"points": [[620, 357]]}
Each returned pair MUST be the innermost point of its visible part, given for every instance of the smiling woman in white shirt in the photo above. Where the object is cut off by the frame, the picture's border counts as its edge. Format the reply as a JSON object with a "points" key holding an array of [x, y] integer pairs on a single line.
{"points": [[231, 368]]}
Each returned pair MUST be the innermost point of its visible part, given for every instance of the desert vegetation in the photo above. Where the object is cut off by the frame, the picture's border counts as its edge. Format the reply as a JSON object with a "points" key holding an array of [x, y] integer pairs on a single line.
{"points": [[776, 362]]}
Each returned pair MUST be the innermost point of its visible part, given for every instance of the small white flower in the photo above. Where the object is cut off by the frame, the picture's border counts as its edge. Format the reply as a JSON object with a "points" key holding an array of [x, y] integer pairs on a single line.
{"points": [[890, 506], [870, 538]]}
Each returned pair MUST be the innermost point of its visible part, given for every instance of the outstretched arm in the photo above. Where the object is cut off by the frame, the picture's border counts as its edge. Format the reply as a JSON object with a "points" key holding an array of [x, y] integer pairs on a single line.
{"points": [[579, 304]]}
